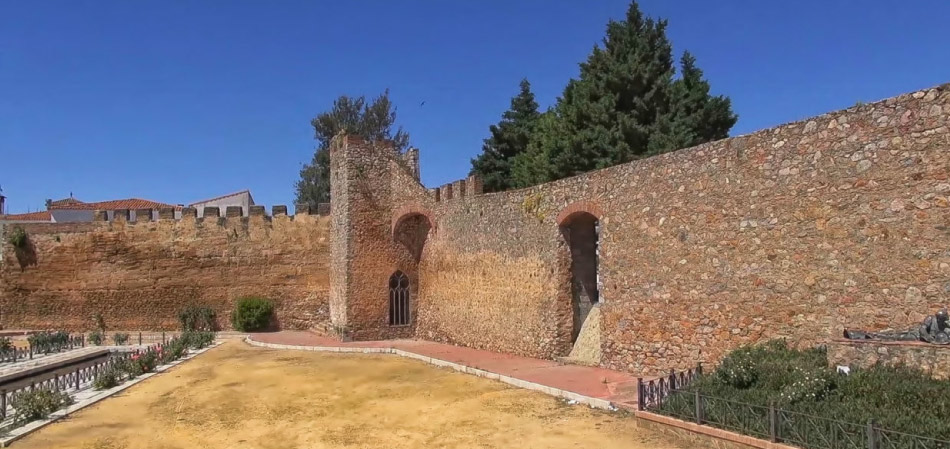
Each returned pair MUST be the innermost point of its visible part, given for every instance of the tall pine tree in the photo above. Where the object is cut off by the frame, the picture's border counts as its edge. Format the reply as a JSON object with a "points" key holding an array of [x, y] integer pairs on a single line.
{"points": [[372, 121], [694, 116], [509, 138], [626, 105]]}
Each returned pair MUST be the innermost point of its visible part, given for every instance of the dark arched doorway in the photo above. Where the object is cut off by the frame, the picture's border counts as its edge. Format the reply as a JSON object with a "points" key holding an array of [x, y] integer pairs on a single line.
{"points": [[581, 231], [400, 313]]}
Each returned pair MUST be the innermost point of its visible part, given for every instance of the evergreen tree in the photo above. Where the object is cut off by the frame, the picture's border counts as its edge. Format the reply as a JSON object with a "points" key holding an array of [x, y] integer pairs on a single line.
{"points": [[609, 113], [372, 121], [694, 117], [626, 105], [533, 166], [509, 138]]}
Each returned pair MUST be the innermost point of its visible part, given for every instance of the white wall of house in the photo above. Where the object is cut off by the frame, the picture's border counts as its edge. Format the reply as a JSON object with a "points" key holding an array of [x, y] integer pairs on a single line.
{"points": [[242, 199]]}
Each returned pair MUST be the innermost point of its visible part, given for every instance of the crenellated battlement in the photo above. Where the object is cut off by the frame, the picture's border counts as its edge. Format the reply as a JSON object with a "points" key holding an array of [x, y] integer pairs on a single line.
{"points": [[209, 213], [468, 187]]}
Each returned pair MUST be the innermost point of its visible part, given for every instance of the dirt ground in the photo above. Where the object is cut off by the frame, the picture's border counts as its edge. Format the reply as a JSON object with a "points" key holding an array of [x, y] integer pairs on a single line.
{"points": [[238, 396]]}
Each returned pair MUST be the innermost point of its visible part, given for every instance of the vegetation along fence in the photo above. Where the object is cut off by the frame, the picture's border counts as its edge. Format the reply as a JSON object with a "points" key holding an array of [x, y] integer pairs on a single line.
{"points": [[74, 377], [40, 343], [668, 396]]}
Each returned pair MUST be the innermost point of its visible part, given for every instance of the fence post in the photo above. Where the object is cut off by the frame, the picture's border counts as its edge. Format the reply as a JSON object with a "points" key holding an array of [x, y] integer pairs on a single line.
{"points": [[773, 423], [31, 352], [699, 369], [3, 404], [82, 340], [77, 378], [641, 401], [672, 379], [872, 440], [140, 339], [163, 337], [699, 408]]}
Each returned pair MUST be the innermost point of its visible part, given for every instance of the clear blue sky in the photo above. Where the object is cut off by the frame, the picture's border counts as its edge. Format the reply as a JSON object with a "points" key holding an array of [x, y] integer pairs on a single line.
{"points": [[177, 101]]}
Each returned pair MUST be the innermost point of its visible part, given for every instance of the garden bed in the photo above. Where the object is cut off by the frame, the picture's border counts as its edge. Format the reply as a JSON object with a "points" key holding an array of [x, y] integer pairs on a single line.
{"points": [[774, 392]]}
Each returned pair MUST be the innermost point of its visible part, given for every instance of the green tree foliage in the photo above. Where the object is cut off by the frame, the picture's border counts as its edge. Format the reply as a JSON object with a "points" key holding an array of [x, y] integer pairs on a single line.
{"points": [[509, 138], [625, 105], [533, 166], [373, 121]]}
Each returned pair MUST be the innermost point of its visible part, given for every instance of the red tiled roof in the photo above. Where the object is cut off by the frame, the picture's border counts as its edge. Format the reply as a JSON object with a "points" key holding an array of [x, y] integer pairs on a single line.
{"points": [[222, 197], [29, 216], [131, 204], [65, 201]]}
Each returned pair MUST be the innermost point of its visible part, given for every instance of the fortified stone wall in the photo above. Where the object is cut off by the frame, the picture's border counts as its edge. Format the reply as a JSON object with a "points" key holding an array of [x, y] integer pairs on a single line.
{"points": [[140, 275], [796, 231]]}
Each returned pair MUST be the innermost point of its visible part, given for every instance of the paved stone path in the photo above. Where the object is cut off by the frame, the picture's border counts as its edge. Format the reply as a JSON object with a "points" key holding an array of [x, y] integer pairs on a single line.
{"points": [[614, 386]]}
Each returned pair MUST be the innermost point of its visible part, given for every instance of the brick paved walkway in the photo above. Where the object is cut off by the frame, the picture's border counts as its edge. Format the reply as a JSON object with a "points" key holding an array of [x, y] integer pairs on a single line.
{"points": [[614, 386]]}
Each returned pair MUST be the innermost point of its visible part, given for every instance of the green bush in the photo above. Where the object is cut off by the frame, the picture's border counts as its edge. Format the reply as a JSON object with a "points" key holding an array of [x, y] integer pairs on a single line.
{"points": [[18, 238], [197, 318], [47, 341], [96, 337], [197, 339], [147, 361], [900, 399], [38, 404], [107, 378], [252, 313], [6, 344], [120, 338]]}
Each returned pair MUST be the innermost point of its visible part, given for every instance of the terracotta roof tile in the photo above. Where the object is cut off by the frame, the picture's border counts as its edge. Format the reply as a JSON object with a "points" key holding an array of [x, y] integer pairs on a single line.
{"points": [[131, 204], [29, 216], [65, 201]]}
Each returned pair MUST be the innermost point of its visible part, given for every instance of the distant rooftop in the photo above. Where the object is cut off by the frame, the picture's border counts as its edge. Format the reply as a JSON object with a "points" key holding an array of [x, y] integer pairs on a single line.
{"points": [[130, 203], [242, 192], [29, 216]]}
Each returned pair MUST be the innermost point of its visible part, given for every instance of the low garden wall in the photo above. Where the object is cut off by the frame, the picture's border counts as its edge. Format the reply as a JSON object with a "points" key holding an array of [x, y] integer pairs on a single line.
{"points": [[929, 358]]}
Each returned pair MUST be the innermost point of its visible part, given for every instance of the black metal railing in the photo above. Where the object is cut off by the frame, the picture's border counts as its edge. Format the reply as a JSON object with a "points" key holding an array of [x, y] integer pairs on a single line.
{"points": [[72, 378], [776, 424], [653, 392], [13, 354]]}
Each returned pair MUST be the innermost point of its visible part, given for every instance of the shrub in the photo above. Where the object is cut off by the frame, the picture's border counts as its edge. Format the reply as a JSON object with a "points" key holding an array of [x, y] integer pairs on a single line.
{"points": [[738, 369], [197, 318], [6, 344], [252, 313], [47, 341], [801, 381], [38, 404], [96, 337], [107, 378], [147, 361], [120, 338], [130, 367], [18, 238], [196, 340]]}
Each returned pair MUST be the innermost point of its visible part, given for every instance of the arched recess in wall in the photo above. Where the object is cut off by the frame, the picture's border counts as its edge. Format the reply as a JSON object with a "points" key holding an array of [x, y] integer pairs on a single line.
{"points": [[410, 228], [580, 226]]}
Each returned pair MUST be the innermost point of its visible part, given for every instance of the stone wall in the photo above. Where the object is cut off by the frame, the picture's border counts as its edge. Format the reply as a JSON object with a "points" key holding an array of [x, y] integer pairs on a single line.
{"points": [[793, 232], [139, 275], [931, 359]]}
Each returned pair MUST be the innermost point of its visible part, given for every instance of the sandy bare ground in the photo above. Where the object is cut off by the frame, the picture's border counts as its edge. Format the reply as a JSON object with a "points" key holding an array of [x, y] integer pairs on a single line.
{"points": [[238, 396]]}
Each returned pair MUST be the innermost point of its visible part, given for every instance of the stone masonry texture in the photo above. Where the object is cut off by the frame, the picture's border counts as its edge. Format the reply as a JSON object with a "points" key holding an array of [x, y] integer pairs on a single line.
{"points": [[931, 359], [796, 232], [140, 275]]}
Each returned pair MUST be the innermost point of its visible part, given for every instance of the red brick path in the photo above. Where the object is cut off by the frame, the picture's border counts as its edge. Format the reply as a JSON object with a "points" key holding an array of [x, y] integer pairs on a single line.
{"points": [[616, 387]]}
